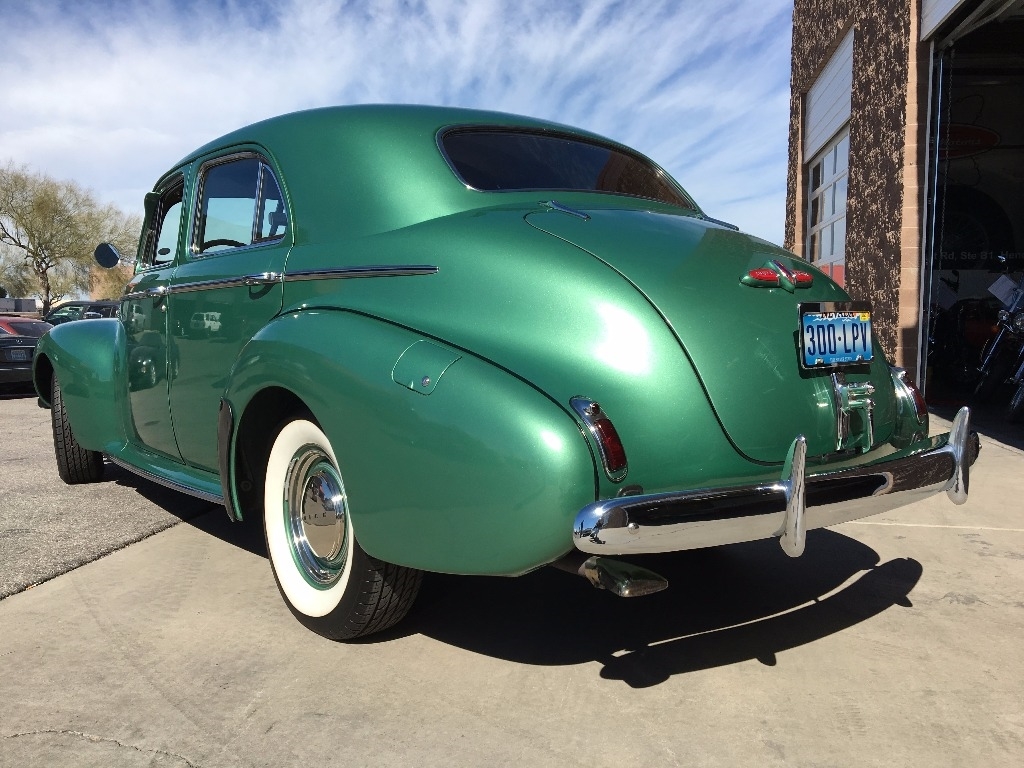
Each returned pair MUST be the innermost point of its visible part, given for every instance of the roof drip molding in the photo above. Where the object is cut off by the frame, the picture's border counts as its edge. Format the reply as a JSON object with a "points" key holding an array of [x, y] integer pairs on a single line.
{"points": [[935, 12]]}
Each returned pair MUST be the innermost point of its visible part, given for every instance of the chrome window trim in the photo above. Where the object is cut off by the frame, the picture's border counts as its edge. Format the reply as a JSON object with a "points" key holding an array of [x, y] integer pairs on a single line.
{"points": [[177, 178], [192, 249]]}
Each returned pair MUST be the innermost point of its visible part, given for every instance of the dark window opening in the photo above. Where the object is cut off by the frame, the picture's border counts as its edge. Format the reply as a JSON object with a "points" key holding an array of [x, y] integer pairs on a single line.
{"points": [[497, 160]]}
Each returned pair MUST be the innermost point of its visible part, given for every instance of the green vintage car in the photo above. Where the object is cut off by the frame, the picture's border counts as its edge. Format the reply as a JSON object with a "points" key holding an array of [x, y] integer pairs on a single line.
{"points": [[408, 339]]}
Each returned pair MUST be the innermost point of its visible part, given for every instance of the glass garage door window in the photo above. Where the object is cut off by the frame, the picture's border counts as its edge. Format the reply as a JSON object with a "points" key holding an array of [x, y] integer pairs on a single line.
{"points": [[826, 214]]}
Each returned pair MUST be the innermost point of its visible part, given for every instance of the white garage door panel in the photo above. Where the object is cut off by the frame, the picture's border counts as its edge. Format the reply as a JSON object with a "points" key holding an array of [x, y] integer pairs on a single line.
{"points": [[828, 101], [934, 12]]}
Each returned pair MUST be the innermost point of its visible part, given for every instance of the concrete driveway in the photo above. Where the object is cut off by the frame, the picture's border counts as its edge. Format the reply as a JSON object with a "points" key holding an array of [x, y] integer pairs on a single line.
{"points": [[894, 641]]}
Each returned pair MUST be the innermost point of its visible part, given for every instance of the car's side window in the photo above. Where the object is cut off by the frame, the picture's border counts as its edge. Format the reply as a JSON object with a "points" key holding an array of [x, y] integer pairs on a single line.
{"points": [[167, 218], [241, 205]]}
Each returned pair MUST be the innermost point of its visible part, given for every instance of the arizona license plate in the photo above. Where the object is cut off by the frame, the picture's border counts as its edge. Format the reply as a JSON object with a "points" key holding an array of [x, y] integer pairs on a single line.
{"points": [[835, 333]]}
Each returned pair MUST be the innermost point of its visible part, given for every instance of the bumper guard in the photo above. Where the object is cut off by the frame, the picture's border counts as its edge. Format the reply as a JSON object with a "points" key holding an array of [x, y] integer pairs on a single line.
{"points": [[786, 509]]}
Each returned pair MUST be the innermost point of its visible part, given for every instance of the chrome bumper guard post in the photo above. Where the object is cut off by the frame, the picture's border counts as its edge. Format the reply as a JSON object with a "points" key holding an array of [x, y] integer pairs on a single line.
{"points": [[959, 436], [794, 530], [785, 509]]}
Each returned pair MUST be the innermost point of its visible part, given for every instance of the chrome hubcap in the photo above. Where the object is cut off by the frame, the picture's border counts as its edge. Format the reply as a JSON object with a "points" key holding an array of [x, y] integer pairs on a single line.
{"points": [[316, 512]]}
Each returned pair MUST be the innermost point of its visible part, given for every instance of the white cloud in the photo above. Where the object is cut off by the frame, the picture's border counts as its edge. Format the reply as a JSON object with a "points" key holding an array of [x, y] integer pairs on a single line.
{"points": [[111, 94]]}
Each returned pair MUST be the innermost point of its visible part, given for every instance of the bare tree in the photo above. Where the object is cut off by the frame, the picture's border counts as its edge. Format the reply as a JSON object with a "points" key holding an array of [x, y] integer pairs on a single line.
{"points": [[14, 275], [54, 226]]}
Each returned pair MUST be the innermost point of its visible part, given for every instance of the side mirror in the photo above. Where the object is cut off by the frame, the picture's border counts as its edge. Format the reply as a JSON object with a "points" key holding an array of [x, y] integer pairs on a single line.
{"points": [[106, 256]]}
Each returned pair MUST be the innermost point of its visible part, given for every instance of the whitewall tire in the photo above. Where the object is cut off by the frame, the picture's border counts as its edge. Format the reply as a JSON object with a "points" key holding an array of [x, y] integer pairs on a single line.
{"points": [[329, 583]]}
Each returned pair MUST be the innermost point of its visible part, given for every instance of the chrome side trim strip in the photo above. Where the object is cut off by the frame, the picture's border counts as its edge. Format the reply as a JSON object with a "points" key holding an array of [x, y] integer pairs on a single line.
{"points": [[263, 278], [273, 278], [344, 273], [709, 517], [157, 292], [173, 485]]}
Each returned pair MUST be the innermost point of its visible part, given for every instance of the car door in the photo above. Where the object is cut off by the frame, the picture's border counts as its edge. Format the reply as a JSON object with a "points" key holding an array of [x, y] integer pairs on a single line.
{"points": [[143, 314], [224, 290]]}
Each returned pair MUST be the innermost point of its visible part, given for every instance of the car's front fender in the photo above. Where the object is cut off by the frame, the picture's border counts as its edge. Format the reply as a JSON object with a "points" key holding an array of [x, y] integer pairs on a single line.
{"points": [[449, 462], [88, 359]]}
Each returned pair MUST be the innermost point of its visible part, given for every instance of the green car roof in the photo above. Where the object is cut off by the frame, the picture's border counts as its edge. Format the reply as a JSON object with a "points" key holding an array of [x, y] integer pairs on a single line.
{"points": [[372, 168]]}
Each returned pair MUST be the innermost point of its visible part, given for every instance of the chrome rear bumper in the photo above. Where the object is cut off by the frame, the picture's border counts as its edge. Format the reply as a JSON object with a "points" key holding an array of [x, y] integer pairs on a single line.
{"points": [[787, 509]]}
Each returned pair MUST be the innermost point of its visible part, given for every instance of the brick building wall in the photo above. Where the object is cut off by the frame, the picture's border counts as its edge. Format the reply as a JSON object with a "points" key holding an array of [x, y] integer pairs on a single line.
{"points": [[887, 136]]}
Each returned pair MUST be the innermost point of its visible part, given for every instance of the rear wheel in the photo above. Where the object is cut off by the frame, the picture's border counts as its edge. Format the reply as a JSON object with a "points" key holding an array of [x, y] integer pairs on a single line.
{"points": [[331, 585], [75, 464]]}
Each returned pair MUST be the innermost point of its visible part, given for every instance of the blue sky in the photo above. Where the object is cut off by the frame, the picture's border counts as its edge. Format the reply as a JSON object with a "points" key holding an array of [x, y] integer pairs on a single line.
{"points": [[112, 93]]}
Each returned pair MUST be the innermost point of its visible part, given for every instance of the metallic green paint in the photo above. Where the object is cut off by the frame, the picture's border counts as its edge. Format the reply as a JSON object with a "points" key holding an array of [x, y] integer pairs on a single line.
{"points": [[204, 354], [741, 339], [145, 321], [170, 472], [483, 476], [87, 357], [640, 308], [552, 315], [420, 367]]}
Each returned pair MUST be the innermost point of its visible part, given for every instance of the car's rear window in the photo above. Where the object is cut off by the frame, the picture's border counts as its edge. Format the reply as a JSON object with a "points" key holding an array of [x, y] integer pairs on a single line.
{"points": [[34, 328], [501, 160]]}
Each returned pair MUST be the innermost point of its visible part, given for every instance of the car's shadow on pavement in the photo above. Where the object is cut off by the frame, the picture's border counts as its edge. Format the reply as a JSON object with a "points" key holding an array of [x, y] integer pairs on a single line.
{"points": [[724, 605]]}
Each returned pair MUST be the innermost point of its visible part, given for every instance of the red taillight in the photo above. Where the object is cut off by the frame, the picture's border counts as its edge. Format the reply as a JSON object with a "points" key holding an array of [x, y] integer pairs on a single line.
{"points": [[919, 404], [614, 453], [765, 275], [803, 278], [609, 445]]}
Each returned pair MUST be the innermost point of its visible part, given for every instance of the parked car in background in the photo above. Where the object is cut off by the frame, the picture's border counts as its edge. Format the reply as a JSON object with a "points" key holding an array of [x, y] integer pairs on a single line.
{"points": [[477, 343], [18, 337], [16, 361], [81, 310], [23, 326]]}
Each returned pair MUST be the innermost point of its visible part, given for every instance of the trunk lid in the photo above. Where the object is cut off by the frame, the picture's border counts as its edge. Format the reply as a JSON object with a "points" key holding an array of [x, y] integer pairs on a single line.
{"points": [[742, 340]]}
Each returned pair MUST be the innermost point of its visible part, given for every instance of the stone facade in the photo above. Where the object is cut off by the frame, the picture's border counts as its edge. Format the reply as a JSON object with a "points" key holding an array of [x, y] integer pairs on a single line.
{"points": [[887, 130]]}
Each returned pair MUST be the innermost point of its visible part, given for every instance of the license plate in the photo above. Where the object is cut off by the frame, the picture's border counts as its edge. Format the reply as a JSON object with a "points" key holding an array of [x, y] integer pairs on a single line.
{"points": [[834, 334], [19, 355]]}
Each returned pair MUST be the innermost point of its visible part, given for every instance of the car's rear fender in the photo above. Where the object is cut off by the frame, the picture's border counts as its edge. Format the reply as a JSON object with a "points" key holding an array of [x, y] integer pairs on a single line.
{"points": [[88, 359], [449, 462]]}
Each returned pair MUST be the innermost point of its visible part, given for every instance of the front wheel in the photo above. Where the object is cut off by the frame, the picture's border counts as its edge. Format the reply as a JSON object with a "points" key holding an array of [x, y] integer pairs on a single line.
{"points": [[75, 464], [331, 585]]}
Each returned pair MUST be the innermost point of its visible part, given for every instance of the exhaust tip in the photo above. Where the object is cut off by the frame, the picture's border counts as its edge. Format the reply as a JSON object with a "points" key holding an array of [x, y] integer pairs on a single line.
{"points": [[622, 579]]}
